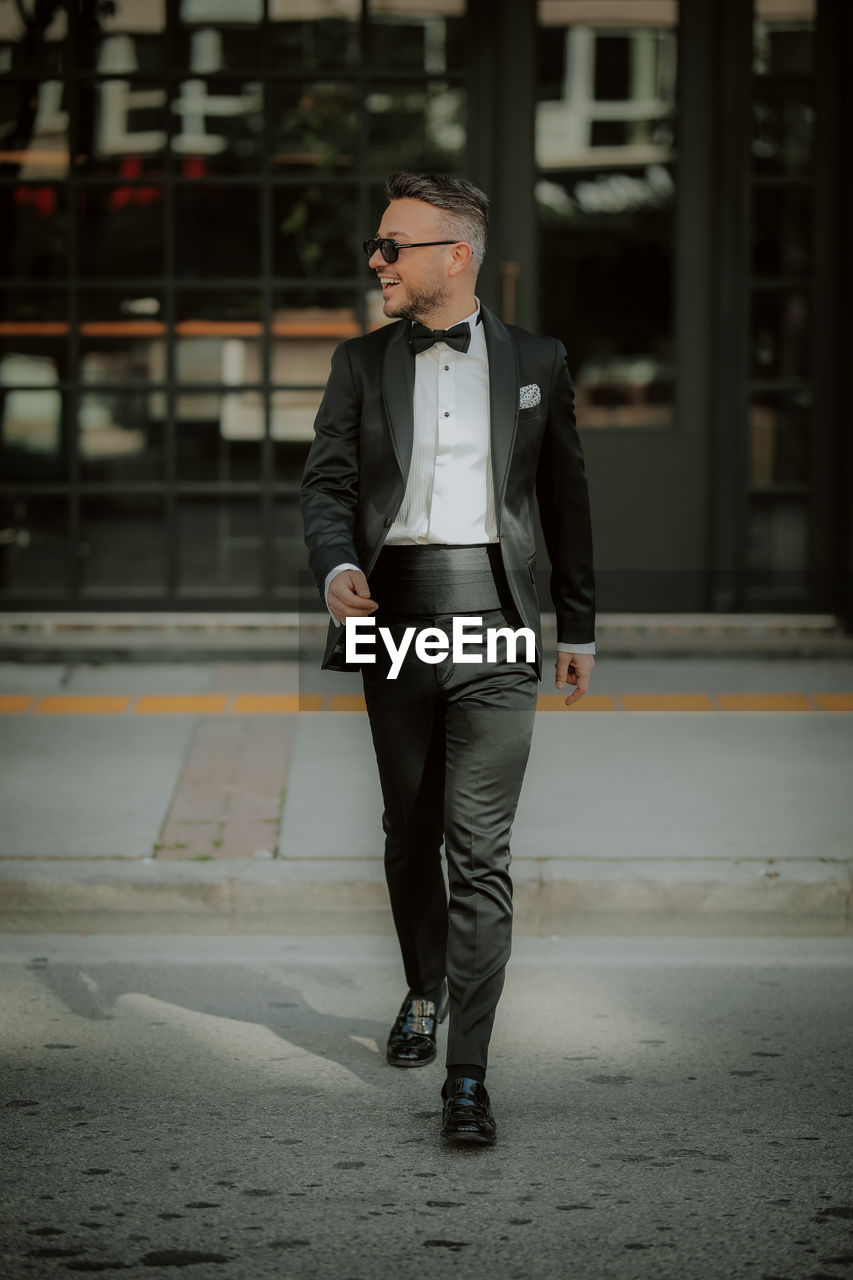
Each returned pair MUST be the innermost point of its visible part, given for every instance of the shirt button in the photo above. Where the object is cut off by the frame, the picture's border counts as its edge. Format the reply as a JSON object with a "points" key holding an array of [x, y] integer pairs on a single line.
{"points": [[446, 367], [447, 415]]}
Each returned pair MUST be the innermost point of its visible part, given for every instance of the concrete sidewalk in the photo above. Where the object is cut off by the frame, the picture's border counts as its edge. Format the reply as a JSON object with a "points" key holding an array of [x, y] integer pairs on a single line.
{"points": [[702, 796]]}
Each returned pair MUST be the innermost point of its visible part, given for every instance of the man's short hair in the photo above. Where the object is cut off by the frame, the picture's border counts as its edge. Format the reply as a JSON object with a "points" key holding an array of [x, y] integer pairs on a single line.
{"points": [[466, 206]]}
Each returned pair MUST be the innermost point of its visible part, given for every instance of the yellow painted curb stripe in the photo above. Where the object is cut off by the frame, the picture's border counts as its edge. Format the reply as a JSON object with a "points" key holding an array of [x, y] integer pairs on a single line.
{"points": [[12, 704], [352, 703], [834, 701], [153, 704], [590, 702], [764, 702], [73, 704], [667, 702], [347, 702]]}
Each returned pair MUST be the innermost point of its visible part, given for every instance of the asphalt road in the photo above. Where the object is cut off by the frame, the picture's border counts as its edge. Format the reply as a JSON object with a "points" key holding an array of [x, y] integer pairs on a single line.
{"points": [[667, 1108]]}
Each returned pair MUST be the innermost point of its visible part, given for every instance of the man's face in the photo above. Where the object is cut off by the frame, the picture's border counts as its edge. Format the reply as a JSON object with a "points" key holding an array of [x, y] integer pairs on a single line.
{"points": [[417, 283]]}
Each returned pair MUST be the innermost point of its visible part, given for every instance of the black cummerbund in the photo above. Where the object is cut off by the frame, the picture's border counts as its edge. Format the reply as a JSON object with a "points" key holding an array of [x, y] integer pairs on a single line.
{"points": [[437, 578]]}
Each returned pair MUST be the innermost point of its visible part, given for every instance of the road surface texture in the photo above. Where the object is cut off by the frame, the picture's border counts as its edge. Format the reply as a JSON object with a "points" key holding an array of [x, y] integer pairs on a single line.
{"points": [[670, 1108]]}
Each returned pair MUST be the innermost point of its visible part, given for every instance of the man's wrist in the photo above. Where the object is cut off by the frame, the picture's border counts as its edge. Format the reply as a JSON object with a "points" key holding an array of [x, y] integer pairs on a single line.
{"points": [[332, 574]]}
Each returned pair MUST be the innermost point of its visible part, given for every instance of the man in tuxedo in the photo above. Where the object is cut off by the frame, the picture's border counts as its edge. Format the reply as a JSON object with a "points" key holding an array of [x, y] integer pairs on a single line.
{"points": [[433, 438]]}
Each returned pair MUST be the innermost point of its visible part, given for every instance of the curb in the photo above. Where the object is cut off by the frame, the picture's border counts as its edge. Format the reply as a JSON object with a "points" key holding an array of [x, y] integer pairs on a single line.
{"points": [[348, 896]]}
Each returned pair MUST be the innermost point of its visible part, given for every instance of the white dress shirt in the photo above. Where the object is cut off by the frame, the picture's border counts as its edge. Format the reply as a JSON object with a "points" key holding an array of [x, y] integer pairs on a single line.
{"points": [[449, 496]]}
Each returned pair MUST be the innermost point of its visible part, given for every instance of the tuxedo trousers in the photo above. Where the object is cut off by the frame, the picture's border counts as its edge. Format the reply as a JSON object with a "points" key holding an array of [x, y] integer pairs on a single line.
{"points": [[452, 741]]}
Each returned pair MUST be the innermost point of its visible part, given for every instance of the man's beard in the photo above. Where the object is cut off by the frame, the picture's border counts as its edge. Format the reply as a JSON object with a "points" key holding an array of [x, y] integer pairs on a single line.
{"points": [[421, 302]]}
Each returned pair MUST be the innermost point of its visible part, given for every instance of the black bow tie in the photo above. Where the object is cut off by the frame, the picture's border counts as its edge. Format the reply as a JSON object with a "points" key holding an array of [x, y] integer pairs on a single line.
{"points": [[422, 338]]}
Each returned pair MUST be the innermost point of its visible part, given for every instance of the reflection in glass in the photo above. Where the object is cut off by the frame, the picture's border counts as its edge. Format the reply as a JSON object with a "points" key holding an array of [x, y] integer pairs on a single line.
{"points": [[314, 126], [120, 436], [219, 546], [315, 33], [781, 333], [31, 433], [34, 241], [122, 545], [782, 231], [315, 232], [293, 414], [213, 36], [127, 37], [33, 41], [34, 549], [783, 41], [780, 434], [783, 134], [122, 128], [218, 231], [424, 35], [232, 361], [120, 231], [219, 436], [293, 590], [33, 338], [121, 336], [606, 198], [33, 144], [416, 127], [778, 545], [220, 127]]}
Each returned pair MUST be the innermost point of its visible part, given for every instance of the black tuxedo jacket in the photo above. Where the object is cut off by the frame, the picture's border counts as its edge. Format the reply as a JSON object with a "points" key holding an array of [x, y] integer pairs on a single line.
{"points": [[355, 476]]}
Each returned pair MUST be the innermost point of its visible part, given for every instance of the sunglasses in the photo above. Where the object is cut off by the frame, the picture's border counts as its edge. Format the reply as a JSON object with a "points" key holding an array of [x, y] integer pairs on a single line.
{"points": [[390, 249]]}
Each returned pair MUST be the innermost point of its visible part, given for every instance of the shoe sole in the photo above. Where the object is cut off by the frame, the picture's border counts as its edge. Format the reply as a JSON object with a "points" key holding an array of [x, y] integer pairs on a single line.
{"points": [[408, 1062], [470, 1139]]}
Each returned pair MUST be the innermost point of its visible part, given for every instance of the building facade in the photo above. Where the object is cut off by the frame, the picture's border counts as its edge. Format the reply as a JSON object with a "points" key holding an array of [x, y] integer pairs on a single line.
{"points": [[185, 185]]}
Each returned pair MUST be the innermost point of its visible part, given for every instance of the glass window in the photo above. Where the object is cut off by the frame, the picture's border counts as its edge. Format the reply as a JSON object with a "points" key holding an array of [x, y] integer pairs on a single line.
{"points": [[315, 231], [32, 433], [32, 40], [33, 338], [782, 231], [218, 435], [780, 434], [781, 333], [126, 36], [416, 126], [783, 136], [417, 35], [120, 231], [34, 129], [34, 551], [220, 126], [35, 239], [122, 129], [784, 37], [219, 35], [218, 231], [122, 545], [314, 126], [219, 546], [122, 336], [605, 142], [308, 34], [120, 436]]}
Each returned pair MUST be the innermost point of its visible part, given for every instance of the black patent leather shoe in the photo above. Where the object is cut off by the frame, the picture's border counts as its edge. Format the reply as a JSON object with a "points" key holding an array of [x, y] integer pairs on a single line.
{"points": [[467, 1113], [412, 1039]]}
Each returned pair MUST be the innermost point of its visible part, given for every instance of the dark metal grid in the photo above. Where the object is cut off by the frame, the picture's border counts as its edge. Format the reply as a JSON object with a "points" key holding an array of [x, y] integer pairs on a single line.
{"points": [[267, 488]]}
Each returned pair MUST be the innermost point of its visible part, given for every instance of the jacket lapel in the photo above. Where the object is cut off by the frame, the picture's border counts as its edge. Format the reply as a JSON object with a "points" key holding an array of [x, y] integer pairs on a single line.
{"points": [[503, 401], [398, 394]]}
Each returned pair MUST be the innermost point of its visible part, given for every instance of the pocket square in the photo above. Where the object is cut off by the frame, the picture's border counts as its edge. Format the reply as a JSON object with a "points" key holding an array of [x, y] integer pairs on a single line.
{"points": [[529, 396]]}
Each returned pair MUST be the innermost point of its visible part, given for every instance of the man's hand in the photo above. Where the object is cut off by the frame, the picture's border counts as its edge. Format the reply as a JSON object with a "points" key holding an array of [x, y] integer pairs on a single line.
{"points": [[576, 669], [349, 595]]}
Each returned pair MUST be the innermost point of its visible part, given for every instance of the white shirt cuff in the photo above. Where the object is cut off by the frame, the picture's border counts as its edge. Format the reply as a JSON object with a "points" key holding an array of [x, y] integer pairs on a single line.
{"points": [[339, 568], [586, 647]]}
